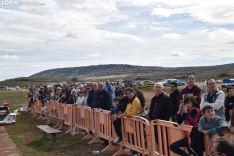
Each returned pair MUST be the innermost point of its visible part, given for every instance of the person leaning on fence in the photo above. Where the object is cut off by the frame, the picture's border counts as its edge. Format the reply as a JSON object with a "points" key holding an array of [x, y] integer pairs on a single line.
{"points": [[160, 107], [209, 121], [223, 147], [114, 110], [229, 101], [133, 108], [35, 95], [189, 114], [44, 109], [215, 98]]}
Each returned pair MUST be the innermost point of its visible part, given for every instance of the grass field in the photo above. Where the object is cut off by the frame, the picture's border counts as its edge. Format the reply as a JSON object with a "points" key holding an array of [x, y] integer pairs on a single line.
{"points": [[28, 137]]}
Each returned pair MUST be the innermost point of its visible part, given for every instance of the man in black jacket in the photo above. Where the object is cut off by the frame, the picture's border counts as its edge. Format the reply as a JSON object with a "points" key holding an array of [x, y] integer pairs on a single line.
{"points": [[160, 108], [93, 98], [175, 93], [104, 98]]}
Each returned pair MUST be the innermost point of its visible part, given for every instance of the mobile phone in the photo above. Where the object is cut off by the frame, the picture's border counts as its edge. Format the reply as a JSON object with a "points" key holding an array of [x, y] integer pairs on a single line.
{"points": [[182, 102]]}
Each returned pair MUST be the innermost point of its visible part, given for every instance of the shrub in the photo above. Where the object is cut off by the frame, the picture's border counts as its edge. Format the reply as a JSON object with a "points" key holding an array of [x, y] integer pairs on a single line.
{"points": [[223, 75]]}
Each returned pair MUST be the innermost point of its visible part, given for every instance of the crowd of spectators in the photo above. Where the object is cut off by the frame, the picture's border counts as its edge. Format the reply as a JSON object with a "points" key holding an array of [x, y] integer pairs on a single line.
{"points": [[188, 106]]}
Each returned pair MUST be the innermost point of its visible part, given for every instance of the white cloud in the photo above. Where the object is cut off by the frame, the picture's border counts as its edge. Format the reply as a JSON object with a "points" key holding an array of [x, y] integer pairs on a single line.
{"points": [[177, 54], [7, 57], [131, 25], [173, 36], [213, 11], [93, 55], [158, 28], [163, 12]]}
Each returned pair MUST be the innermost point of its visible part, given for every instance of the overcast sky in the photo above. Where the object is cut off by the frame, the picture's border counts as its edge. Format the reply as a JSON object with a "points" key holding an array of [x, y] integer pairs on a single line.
{"points": [[72, 33]]}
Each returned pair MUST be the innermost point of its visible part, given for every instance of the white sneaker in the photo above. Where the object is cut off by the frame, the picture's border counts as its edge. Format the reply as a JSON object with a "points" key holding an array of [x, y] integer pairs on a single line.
{"points": [[73, 132], [127, 150], [116, 139]]}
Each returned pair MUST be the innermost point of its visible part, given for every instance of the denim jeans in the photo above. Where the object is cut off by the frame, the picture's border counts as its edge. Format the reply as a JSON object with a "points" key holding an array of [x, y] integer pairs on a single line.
{"points": [[173, 117], [175, 147]]}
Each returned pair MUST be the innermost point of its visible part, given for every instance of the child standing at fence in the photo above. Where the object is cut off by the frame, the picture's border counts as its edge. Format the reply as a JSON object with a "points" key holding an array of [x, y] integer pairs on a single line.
{"points": [[189, 113], [114, 110]]}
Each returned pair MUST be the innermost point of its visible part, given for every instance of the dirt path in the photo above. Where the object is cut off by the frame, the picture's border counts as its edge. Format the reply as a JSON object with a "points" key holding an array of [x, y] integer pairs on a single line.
{"points": [[7, 146], [148, 96]]}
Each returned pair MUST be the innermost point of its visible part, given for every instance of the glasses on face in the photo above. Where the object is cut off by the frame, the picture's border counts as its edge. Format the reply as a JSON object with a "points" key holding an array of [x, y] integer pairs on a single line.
{"points": [[87, 88], [213, 153], [210, 83], [100, 85], [120, 95]]}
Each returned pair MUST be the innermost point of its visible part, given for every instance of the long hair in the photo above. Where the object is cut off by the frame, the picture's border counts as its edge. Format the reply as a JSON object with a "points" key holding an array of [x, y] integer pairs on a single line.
{"points": [[232, 118]]}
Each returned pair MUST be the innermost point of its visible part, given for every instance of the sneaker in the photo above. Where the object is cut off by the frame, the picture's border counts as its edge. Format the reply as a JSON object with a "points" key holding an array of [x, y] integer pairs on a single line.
{"points": [[134, 153], [105, 143], [73, 132], [116, 140], [119, 141], [127, 150]]}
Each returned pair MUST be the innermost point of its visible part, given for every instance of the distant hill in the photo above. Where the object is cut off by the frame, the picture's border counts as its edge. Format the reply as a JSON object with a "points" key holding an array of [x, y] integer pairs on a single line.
{"points": [[150, 72]]}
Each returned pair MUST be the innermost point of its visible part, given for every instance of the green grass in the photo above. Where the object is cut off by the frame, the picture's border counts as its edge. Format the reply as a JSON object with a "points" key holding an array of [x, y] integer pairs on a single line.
{"points": [[29, 139]]}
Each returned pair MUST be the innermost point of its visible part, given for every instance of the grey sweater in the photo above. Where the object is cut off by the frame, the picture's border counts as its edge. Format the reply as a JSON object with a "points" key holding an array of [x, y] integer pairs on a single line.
{"points": [[212, 125]]}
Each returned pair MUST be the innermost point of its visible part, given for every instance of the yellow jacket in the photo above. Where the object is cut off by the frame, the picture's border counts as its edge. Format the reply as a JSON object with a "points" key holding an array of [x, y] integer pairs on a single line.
{"points": [[134, 108]]}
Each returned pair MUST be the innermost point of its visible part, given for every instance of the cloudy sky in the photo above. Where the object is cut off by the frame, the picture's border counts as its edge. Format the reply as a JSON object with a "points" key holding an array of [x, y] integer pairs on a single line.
{"points": [[71, 33]]}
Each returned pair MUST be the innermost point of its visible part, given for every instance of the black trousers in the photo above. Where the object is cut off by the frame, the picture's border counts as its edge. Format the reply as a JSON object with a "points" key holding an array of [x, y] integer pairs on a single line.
{"points": [[117, 126]]}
